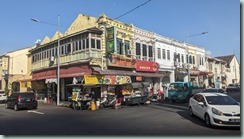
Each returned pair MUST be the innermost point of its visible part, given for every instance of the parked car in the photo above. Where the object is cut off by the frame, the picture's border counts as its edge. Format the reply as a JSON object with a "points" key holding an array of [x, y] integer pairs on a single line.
{"points": [[233, 88], [216, 109], [21, 100], [3, 97], [214, 90]]}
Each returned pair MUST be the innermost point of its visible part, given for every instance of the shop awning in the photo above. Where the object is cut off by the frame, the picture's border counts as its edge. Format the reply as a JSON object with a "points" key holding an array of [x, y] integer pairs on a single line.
{"points": [[65, 72], [97, 70]]}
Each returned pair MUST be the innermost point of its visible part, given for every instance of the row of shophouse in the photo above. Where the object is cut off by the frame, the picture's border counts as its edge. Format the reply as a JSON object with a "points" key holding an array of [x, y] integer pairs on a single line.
{"points": [[105, 55]]}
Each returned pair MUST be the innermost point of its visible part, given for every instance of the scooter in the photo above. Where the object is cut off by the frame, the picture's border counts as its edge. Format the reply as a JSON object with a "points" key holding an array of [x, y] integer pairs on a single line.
{"points": [[108, 101]]}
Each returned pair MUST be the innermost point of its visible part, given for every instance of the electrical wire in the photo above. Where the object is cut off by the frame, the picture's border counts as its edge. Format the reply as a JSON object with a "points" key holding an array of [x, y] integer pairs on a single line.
{"points": [[133, 9]]}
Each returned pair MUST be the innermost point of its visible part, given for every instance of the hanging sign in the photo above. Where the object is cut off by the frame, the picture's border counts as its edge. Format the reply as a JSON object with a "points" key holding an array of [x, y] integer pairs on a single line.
{"points": [[92, 79], [111, 40]]}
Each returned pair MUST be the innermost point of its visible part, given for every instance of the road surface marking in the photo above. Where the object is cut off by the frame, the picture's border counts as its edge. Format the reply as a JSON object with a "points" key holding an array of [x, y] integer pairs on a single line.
{"points": [[36, 112]]}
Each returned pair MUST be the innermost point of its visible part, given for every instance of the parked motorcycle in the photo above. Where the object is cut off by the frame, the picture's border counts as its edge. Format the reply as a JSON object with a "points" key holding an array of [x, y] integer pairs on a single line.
{"points": [[108, 101]]}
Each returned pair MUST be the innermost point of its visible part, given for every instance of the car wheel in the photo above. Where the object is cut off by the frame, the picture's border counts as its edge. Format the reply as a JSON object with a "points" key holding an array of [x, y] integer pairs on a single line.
{"points": [[191, 112], [207, 120], [16, 107], [6, 105]]}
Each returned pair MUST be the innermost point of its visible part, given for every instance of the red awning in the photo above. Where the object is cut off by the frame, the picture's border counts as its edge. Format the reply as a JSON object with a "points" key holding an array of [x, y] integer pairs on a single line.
{"points": [[65, 72]]}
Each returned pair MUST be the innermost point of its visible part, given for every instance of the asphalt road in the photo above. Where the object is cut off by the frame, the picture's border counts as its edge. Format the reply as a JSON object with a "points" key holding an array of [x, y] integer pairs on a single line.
{"points": [[156, 119]]}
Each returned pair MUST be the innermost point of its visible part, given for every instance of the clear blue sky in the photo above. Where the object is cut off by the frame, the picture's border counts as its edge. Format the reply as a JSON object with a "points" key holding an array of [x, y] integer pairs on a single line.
{"points": [[170, 18]]}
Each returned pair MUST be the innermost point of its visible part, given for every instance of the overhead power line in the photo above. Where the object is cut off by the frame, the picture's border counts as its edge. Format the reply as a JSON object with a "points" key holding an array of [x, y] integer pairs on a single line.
{"points": [[133, 9]]}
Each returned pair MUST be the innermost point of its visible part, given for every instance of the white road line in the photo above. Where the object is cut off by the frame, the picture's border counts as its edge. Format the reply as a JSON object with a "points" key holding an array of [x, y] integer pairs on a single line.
{"points": [[36, 112]]}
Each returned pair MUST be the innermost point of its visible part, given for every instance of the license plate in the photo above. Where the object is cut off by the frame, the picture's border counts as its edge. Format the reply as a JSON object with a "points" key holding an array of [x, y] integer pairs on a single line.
{"points": [[234, 120], [28, 100]]}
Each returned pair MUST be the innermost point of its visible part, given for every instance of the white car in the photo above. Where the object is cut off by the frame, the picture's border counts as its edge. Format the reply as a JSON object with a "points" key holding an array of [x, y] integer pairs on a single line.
{"points": [[3, 97], [216, 109]]}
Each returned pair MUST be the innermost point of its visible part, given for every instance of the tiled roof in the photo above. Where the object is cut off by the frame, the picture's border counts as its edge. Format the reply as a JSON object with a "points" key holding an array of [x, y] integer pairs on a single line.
{"points": [[226, 58]]}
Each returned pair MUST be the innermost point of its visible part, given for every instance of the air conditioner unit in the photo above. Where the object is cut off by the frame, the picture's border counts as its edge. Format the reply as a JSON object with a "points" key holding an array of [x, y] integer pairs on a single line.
{"points": [[52, 59], [128, 52]]}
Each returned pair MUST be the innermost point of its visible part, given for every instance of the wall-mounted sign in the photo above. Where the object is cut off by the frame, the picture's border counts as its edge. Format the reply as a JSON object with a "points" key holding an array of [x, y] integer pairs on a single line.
{"points": [[146, 66], [181, 70], [138, 78], [111, 40], [116, 79], [121, 61]]}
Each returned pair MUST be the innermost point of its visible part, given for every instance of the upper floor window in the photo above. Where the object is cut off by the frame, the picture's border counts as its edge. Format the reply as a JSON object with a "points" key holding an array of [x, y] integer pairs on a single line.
{"points": [[187, 59], [127, 47], [178, 57], [119, 46], [190, 59], [138, 49], [93, 44], [193, 59], [98, 44], [144, 50], [182, 58], [164, 54], [150, 51], [168, 54], [159, 53]]}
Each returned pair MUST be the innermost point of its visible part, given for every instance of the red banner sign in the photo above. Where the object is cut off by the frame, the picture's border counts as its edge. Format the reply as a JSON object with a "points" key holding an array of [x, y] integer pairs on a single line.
{"points": [[146, 66]]}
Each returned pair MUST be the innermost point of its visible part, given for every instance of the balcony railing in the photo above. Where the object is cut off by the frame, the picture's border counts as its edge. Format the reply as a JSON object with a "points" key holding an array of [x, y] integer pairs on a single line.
{"points": [[66, 59]]}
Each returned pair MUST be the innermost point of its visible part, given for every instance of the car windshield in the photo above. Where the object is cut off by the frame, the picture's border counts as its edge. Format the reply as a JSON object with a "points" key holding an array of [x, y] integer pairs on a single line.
{"points": [[221, 100], [175, 87], [210, 90]]}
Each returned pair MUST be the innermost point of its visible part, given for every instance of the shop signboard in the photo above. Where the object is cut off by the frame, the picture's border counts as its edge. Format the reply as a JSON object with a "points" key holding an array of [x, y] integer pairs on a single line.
{"points": [[121, 61], [116, 79], [146, 66], [138, 78], [111, 40], [181, 70], [92, 79], [194, 72]]}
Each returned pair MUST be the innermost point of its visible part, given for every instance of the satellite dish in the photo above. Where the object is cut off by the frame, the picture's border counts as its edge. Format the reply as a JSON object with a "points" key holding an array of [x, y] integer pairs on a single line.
{"points": [[38, 42]]}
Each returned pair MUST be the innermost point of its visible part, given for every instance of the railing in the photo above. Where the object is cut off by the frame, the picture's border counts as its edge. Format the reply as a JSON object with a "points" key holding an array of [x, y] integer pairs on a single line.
{"points": [[64, 59]]}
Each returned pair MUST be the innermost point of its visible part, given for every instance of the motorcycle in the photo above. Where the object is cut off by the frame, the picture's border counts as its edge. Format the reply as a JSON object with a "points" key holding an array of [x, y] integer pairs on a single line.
{"points": [[108, 101]]}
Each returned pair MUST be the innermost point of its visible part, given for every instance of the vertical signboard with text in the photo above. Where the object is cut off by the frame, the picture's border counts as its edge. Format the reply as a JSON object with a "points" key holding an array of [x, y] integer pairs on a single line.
{"points": [[111, 40]]}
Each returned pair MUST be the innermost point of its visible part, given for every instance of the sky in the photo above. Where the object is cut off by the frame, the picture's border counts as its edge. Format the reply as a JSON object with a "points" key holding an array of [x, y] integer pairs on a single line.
{"points": [[171, 18]]}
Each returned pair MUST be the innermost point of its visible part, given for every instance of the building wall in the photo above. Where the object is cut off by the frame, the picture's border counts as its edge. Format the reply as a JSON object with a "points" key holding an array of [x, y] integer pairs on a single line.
{"points": [[15, 64], [147, 38], [233, 72]]}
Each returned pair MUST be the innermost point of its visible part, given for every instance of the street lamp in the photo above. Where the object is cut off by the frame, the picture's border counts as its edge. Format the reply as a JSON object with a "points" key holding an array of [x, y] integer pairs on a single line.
{"points": [[187, 36], [58, 54]]}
